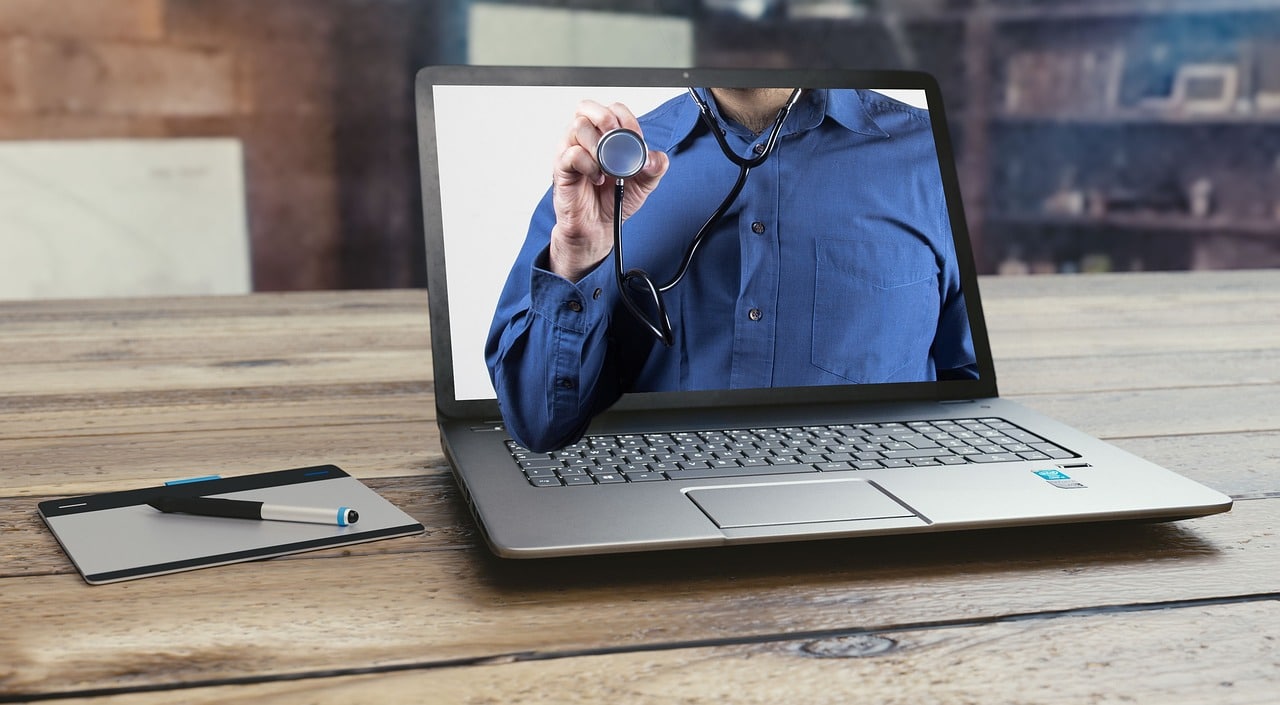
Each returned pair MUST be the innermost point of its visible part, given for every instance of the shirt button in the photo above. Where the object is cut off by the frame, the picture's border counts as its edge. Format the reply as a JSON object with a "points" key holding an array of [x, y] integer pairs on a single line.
{"points": [[755, 314], [575, 306], [565, 383], [759, 148], [757, 228], [596, 294]]}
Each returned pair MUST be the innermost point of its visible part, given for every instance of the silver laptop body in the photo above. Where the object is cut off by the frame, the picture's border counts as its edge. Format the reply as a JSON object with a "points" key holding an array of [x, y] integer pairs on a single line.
{"points": [[887, 458]]}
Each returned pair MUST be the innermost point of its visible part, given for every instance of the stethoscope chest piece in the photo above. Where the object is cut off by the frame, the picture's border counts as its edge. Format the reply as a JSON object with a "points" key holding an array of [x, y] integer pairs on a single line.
{"points": [[621, 153]]}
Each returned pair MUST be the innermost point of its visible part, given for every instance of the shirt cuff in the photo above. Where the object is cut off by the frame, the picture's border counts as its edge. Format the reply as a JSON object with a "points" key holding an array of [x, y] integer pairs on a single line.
{"points": [[572, 306]]}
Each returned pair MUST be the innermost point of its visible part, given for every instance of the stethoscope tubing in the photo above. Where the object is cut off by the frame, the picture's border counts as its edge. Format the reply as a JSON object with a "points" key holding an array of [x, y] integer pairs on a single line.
{"points": [[639, 280]]}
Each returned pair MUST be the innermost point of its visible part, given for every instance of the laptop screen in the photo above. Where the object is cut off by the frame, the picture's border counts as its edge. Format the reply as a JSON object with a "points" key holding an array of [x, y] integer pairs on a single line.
{"points": [[834, 263]]}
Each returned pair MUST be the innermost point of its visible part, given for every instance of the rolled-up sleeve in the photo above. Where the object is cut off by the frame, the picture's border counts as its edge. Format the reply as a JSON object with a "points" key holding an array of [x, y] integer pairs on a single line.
{"points": [[548, 349]]}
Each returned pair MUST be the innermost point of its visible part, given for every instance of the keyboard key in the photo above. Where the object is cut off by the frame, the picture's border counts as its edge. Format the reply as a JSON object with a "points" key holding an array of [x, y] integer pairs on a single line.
{"points": [[994, 458], [578, 480], [913, 453], [611, 478], [540, 463], [646, 476], [552, 481], [597, 472], [539, 472]]}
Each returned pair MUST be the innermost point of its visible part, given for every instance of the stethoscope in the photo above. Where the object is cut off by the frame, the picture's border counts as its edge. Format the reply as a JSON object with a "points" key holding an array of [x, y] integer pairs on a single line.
{"points": [[622, 154]]}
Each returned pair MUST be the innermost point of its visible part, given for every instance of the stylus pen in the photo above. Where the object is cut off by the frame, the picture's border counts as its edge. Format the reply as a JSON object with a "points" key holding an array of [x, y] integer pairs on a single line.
{"points": [[244, 509]]}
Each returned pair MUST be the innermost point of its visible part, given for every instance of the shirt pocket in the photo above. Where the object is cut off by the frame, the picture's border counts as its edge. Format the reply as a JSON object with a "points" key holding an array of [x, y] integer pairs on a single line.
{"points": [[875, 309]]}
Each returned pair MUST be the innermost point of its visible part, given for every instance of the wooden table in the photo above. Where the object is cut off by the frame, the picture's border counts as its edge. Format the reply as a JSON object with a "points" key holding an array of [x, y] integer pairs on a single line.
{"points": [[108, 395]]}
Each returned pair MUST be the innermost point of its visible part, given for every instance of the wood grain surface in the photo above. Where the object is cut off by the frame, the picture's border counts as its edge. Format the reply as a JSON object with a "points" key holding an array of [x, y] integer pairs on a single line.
{"points": [[1188, 655], [107, 395]]}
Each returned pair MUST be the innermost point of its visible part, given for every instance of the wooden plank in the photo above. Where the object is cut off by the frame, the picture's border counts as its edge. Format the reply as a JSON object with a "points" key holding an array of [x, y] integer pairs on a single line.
{"points": [[259, 365], [1165, 370], [1072, 308], [86, 464], [1138, 286], [1135, 340], [1223, 654], [1164, 412], [282, 617], [1239, 464], [215, 409], [86, 343], [177, 318], [290, 304]]}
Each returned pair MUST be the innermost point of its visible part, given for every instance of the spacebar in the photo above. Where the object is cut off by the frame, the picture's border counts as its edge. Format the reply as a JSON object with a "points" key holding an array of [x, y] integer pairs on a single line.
{"points": [[702, 474]]}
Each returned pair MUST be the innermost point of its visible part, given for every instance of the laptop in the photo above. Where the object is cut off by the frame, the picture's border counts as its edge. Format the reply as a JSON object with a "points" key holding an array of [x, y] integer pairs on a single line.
{"points": [[828, 437]]}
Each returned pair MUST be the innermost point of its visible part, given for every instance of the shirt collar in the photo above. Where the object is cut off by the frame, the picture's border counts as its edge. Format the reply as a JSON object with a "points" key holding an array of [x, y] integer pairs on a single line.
{"points": [[845, 107]]}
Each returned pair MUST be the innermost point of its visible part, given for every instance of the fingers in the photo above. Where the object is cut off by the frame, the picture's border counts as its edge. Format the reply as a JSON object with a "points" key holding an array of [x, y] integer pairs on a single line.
{"points": [[590, 122], [608, 118], [576, 163], [653, 170]]}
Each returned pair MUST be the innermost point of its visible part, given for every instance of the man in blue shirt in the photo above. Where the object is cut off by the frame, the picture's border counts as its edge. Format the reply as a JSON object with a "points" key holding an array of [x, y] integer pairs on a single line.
{"points": [[834, 266]]}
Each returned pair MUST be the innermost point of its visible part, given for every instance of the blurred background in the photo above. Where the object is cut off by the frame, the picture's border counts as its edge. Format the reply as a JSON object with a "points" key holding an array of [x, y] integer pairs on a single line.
{"points": [[210, 146]]}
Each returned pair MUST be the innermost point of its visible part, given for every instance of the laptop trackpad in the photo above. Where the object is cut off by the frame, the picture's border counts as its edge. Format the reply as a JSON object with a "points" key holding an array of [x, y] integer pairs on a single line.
{"points": [[805, 502]]}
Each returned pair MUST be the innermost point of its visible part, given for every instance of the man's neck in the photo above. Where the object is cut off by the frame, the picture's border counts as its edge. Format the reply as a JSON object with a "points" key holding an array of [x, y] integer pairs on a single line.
{"points": [[753, 108]]}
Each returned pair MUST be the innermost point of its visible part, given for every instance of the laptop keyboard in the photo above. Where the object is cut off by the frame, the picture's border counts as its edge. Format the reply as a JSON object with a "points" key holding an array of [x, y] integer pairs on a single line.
{"points": [[699, 455]]}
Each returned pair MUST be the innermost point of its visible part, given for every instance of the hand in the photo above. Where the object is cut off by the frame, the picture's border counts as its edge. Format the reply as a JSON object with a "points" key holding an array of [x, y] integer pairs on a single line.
{"points": [[583, 195]]}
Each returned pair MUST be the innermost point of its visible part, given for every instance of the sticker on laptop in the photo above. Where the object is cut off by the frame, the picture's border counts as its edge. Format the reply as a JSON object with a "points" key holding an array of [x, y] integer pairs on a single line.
{"points": [[1060, 479]]}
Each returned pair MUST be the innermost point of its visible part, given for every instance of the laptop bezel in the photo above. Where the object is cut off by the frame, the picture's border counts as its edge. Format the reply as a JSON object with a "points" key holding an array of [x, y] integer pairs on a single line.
{"points": [[449, 407]]}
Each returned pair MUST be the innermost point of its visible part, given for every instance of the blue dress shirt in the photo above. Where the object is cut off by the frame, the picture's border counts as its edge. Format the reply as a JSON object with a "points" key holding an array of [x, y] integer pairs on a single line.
{"points": [[835, 266]]}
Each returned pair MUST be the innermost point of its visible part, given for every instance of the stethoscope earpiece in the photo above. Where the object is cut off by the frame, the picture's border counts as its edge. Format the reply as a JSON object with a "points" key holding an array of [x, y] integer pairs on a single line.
{"points": [[621, 153]]}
